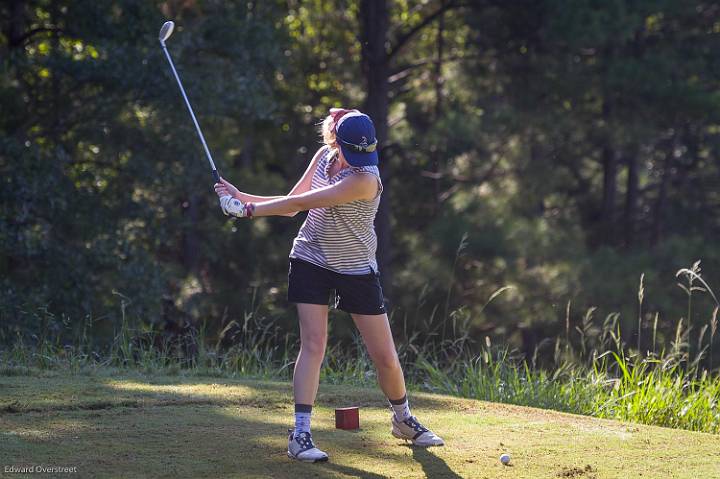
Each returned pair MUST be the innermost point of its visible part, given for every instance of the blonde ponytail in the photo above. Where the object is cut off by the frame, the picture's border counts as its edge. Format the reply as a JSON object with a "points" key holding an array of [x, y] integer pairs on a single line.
{"points": [[327, 132]]}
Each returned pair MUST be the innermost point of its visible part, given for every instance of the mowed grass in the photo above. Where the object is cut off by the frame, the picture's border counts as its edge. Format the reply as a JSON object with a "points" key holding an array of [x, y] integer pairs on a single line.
{"points": [[137, 426]]}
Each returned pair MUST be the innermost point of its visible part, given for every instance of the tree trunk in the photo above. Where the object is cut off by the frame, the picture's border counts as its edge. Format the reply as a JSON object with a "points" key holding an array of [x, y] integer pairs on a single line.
{"points": [[609, 191], [248, 152], [190, 241], [660, 202], [438, 103], [374, 20], [16, 24], [609, 158], [55, 78], [439, 62], [631, 196]]}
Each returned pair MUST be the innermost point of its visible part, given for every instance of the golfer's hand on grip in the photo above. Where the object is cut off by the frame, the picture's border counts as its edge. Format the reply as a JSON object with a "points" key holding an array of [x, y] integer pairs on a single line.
{"points": [[226, 188], [231, 201], [233, 207]]}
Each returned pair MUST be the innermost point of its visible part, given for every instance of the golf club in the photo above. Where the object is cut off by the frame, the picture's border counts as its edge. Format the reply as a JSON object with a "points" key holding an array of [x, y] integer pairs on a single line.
{"points": [[165, 32]]}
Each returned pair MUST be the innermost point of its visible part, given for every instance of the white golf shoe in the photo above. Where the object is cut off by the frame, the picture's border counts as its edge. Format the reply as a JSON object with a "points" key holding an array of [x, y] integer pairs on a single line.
{"points": [[411, 430], [302, 448]]}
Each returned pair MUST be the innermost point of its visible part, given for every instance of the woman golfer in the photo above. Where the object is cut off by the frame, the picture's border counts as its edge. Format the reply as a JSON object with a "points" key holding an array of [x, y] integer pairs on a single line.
{"points": [[335, 250]]}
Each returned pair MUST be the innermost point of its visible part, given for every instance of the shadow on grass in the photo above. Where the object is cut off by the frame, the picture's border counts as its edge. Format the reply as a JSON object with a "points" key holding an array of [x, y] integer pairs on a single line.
{"points": [[191, 433], [58, 393], [432, 465], [351, 471]]}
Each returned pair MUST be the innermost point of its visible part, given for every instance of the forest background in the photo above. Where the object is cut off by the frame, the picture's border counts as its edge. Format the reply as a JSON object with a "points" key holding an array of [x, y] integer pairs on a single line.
{"points": [[562, 149]]}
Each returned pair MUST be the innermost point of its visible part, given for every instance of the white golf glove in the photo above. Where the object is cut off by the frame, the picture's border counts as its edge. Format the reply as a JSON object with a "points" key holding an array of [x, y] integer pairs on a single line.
{"points": [[233, 207]]}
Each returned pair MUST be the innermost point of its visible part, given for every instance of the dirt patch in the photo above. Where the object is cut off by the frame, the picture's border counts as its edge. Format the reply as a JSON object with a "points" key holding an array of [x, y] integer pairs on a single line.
{"points": [[587, 472]]}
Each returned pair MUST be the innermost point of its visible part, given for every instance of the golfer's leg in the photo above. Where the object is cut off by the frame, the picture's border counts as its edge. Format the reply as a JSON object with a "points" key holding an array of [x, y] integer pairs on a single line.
{"points": [[375, 330], [377, 336], [313, 337]]}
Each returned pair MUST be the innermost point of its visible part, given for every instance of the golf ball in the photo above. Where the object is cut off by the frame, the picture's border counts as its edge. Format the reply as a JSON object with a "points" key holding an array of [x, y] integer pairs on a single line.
{"points": [[505, 459]]}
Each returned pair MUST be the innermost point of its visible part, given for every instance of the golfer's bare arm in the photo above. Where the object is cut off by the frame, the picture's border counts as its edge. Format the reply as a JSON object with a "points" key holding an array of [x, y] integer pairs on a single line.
{"points": [[302, 186], [305, 182], [351, 188]]}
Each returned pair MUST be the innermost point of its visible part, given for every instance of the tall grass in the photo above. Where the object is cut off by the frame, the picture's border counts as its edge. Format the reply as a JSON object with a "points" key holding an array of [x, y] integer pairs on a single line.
{"points": [[593, 370], [599, 375]]}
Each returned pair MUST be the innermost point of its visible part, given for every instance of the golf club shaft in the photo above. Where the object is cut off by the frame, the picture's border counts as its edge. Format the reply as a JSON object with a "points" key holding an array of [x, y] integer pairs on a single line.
{"points": [[215, 174]]}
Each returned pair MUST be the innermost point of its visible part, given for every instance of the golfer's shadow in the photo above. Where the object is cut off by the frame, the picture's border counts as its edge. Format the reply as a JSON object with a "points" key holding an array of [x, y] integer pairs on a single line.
{"points": [[432, 465]]}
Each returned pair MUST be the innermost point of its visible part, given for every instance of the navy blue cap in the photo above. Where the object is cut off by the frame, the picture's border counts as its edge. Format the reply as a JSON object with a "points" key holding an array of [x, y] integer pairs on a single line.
{"points": [[355, 133]]}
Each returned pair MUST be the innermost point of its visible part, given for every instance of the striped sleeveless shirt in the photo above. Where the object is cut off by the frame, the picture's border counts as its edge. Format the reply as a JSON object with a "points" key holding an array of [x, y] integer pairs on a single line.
{"points": [[340, 238]]}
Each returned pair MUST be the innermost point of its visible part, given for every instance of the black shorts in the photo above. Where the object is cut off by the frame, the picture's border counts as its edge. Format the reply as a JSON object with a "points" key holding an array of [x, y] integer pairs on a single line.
{"points": [[354, 293]]}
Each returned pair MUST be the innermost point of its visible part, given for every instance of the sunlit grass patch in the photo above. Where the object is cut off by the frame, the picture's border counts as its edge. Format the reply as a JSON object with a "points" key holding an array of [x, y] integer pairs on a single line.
{"points": [[248, 438]]}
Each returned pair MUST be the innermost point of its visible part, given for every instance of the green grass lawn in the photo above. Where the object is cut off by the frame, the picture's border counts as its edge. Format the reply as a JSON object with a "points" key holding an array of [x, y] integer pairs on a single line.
{"points": [[136, 426]]}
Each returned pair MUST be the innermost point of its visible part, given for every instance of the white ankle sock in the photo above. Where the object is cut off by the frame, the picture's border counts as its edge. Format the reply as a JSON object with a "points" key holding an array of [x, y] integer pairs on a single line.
{"points": [[302, 417], [401, 408]]}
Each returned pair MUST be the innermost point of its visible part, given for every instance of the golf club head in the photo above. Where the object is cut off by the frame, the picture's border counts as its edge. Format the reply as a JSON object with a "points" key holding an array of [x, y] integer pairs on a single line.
{"points": [[165, 31]]}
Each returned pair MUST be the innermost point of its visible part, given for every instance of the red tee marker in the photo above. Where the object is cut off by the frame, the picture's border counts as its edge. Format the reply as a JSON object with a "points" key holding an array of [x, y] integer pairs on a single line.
{"points": [[347, 418]]}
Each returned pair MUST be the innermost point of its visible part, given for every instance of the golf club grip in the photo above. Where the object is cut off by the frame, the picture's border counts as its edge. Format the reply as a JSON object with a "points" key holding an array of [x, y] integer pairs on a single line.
{"points": [[216, 176]]}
